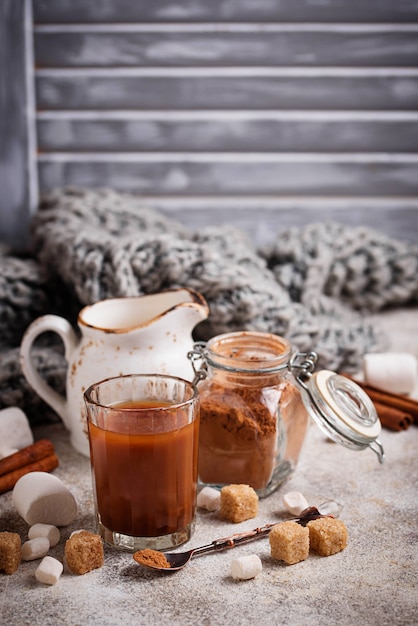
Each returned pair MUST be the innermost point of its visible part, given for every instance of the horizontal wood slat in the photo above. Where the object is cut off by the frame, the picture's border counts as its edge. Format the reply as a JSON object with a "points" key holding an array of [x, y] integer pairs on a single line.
{"points": [[68, 11], [215, 176], [223, 133], [263, 219], [356, 92], [247, 47]]}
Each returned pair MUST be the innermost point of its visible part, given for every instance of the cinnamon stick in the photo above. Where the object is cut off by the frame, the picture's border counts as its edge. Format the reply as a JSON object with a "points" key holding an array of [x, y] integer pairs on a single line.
{"points": [[392, 418], [47, 464], [36, 451], [392, 400], [38, 457]]}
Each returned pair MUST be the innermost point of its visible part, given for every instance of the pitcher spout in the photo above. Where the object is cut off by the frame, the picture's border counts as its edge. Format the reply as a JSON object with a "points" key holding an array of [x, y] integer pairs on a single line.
{"points": [[191, 299], [185, 309], [123, 315]]}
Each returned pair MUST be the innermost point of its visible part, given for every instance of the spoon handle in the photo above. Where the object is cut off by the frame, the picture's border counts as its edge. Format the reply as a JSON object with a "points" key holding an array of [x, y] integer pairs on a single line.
{"points": [[234, 540]]}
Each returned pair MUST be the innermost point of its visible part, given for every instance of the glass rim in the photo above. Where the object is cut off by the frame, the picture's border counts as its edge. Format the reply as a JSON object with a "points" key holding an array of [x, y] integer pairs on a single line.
{"points": [[109, 407]]}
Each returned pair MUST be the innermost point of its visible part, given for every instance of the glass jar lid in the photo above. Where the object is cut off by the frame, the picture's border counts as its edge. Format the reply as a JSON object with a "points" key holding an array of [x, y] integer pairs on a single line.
{"points": [[342, 410]]}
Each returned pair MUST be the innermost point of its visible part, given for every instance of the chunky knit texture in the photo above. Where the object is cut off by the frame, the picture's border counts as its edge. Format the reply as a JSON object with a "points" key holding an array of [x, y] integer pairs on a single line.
{"points": [[311, 286]]}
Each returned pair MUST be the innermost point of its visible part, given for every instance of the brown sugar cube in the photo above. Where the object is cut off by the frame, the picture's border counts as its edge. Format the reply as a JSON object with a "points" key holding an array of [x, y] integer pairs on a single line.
{"points": [[10, 545], [238, 503], [289, 542], [327, 535], [84, 552]]}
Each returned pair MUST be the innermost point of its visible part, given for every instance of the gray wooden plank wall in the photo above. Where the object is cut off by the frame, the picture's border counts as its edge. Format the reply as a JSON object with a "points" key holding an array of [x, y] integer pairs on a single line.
{"points": [[261, 114], [18, 176]]}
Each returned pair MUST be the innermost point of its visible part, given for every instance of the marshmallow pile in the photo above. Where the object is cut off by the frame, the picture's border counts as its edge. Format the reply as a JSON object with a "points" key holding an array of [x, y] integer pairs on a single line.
{"points": [[41, 537], [44, 502], [395, 372], [40, 497], [15, 431], [246, 567], [49, 571], [295, 502], [209, 499]]}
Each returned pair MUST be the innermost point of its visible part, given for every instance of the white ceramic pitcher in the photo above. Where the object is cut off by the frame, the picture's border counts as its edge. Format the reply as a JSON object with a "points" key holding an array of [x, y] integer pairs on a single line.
{"points": [[142, 334]]}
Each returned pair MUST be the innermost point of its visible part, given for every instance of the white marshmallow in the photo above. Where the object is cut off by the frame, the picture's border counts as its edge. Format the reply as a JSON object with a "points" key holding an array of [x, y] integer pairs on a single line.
{"points": [[42, 498], [295, 502], [395, 372], [15, 430], [45, 530], [209, 498], [76, 532], [35, 548], [246, 567], [49, 570], [5, 452]]}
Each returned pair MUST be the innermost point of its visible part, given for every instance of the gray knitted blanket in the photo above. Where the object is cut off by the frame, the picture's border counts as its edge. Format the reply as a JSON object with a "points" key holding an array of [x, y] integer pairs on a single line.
{"points": [[311, 286]]}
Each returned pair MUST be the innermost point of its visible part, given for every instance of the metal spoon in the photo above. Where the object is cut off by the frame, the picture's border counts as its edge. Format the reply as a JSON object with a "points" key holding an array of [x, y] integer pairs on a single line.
{"points": [[177, 560]]}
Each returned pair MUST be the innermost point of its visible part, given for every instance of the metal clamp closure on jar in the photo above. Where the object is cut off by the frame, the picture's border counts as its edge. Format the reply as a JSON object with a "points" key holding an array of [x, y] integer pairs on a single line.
{"points": [[338, 406]]}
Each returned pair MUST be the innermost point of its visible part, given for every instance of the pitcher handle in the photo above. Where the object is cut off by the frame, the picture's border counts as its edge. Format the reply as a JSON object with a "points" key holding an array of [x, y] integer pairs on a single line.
{"points": [[64, 329]]}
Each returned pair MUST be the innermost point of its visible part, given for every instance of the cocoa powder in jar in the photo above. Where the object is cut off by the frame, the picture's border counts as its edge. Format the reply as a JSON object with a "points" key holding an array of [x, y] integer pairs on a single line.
{"points": [[250, 421]]}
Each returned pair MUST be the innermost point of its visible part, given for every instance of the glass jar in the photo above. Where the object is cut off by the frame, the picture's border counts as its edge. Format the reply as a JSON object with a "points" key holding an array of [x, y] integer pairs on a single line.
{"points": [[252, 418], [256, 397]]}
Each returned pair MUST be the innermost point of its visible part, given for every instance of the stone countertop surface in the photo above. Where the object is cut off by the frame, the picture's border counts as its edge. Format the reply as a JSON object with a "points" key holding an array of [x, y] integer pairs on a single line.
{"points": [[373, 581]]}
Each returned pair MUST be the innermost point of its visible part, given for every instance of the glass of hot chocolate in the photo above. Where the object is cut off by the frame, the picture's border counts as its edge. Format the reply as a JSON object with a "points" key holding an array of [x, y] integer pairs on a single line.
{"points": [[143, 436]]}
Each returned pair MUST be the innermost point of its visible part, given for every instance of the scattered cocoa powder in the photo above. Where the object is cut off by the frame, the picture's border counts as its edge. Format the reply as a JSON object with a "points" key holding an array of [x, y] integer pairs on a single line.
{"points": [[151, 558]]}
